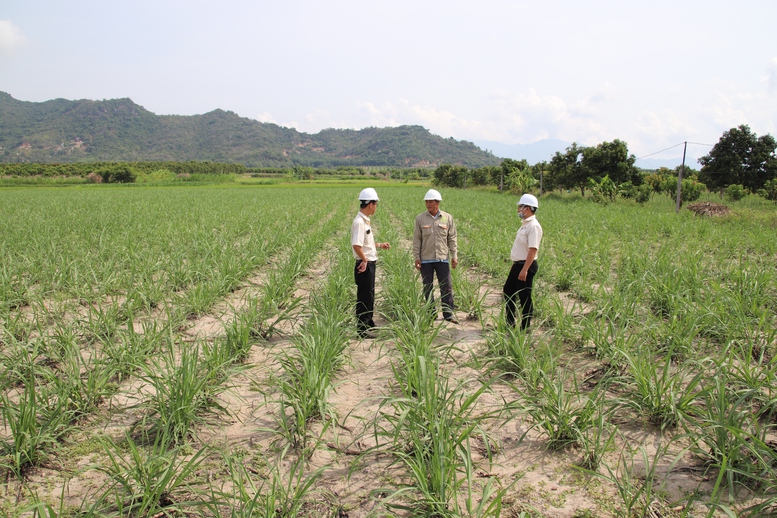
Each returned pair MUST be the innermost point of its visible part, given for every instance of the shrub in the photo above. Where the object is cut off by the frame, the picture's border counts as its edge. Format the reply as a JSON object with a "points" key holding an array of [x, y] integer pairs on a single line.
{"points": [[94, 178], [735, 192], [643, 194], [628, 190], [117, 174], [770, 190]]}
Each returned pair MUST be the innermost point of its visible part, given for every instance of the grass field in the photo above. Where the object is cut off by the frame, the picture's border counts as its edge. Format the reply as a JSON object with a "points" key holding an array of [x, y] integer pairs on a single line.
{"points": [[183, 351]]}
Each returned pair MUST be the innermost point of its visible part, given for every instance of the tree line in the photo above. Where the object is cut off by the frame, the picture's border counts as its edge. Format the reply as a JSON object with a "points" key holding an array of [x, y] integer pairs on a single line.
{"points": [[740, 163], [117, 172]]}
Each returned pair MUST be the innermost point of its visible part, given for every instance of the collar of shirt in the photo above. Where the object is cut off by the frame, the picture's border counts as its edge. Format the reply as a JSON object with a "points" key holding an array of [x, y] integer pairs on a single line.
{"points": [[527, 220], [364, 217]]}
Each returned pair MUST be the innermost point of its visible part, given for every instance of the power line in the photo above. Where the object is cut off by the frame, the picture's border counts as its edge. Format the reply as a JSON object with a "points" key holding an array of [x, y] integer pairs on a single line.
{"points": [[657, 152], [676, 145]]}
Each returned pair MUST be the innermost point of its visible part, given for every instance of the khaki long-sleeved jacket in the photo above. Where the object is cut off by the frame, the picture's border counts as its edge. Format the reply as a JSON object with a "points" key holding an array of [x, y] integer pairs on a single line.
{"points": [[434, 239]]}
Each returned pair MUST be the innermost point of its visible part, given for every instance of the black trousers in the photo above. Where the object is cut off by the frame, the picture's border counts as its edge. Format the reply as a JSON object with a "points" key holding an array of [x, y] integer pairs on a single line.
{"points": [[443, 271], [522, 289], [365, 295]]}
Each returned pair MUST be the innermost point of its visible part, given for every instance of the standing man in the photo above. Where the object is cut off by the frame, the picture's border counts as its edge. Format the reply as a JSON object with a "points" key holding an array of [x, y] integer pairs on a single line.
{"points": [[365, 253], [524, 255], [435, 250]]}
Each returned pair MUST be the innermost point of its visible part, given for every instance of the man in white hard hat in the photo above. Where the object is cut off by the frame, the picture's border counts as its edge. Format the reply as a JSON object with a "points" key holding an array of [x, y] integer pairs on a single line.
{"points": [[365, 253], [524, 256], [435, 250]]}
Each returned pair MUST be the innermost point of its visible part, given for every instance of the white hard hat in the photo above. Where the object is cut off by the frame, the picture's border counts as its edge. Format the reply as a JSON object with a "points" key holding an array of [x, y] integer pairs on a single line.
{"points": [[432, 194], [368, 194], [528, 199]]}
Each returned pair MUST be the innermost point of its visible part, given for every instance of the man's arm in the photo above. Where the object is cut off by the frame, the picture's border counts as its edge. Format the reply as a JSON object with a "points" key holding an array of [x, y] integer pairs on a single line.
{"points": [[529, 260], [417, 243], [362, 265], [453, 244]]}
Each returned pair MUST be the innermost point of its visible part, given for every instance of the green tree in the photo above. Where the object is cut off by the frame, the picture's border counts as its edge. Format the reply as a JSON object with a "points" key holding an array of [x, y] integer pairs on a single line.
{"points": [[448, 175], [740, 157], [567, 168], [517, 175], [611, 159], [121, 173], [481, 175]]}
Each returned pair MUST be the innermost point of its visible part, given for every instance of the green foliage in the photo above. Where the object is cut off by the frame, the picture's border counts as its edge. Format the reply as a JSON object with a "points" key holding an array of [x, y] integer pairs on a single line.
{"points": [[628, 190], [448, 175], [611, 159], [302, 173], [735, 192], [62, 131], [643, 194], [690, 190], [156, 481], [604, 191], [567, 169], [117, 174], [769, 191], [518, 175], [740, 157], [145, 171], [36, 422]]}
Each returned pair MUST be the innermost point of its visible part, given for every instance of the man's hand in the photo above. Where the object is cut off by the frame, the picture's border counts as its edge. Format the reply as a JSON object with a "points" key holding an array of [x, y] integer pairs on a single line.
{"points": [[454, 263], [418, 264], [362, 267]]}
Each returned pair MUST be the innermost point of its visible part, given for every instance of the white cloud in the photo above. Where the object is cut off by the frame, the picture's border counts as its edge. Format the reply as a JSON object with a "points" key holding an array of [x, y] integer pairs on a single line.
{"points": [[658, 130], [11, 37], [771, 76]]}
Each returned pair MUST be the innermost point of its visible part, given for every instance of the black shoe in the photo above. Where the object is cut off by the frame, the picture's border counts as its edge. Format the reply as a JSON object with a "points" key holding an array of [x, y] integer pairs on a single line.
{"points": [[366, 335], [452, 320]]}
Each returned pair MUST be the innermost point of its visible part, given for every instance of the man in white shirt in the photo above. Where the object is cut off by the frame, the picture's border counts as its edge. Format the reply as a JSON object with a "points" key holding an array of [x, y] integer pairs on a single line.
{"points": [[365, 253], [524, 254]]}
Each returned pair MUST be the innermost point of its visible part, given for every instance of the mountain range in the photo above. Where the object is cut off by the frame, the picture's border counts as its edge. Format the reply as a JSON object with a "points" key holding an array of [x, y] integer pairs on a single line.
{"points": [[61, 130]]}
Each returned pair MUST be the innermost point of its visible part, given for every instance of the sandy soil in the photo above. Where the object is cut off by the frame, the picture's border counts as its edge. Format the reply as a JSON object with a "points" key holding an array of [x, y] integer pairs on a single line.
{"points": [[541, 482]]}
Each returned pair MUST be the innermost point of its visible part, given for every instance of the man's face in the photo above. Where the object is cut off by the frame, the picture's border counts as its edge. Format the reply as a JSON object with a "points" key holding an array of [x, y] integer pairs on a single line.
{"points": [[371, 208], [432, 206]]}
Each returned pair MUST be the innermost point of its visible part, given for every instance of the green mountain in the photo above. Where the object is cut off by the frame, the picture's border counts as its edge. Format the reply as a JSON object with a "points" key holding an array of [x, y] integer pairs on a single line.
{"points": [[60, 131]]}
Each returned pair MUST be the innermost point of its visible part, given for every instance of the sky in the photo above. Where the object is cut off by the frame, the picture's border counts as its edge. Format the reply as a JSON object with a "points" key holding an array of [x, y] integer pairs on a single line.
{"points": [[653, 74]]}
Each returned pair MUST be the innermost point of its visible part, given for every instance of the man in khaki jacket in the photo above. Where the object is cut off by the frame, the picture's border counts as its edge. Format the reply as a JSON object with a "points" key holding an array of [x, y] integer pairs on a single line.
{"points": [[436, 251]]}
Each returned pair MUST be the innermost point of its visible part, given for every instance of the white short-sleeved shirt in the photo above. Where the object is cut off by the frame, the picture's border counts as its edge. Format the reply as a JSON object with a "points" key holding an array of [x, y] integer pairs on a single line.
{"points": [[363, 235], [529, 236]]}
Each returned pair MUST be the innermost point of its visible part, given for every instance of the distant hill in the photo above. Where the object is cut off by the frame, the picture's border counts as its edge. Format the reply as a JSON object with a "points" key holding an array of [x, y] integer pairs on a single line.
{"points": [[119, 130]]}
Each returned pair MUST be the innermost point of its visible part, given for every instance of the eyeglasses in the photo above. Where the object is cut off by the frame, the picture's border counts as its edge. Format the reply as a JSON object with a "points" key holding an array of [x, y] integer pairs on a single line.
{"points": [[522, 206]]}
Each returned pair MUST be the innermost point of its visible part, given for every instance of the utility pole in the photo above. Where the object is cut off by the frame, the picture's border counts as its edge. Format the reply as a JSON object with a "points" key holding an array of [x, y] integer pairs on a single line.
{"points": [[680, 179]]}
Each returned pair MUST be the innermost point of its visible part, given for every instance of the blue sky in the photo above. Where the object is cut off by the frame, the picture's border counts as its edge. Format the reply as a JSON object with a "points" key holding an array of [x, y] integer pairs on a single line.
{"points": [[651, 73]]}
